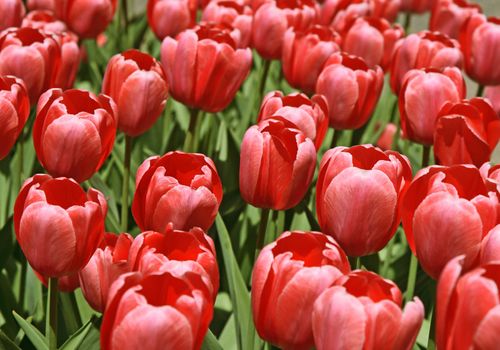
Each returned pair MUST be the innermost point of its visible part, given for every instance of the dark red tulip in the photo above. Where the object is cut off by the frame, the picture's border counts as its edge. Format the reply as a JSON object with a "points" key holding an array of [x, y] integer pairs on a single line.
{"points": [[170, 17], [448, 16], [12, 13]]}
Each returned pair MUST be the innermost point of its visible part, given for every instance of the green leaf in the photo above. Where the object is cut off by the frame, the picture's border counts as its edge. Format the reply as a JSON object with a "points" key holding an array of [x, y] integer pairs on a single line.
{"points": [[77, 338], [7, 343], [210, 342], [33, 334], [6, 242]]}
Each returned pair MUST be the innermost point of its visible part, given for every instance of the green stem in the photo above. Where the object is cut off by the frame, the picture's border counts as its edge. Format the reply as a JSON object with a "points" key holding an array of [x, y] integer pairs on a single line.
{"points": [[51, 315], [22, 283], [394, 109], [263, 79], [357, 135], [261, 234], [358, 263], [126, 176], [407, 22], [426, 152], [387, 261], [480, 90], [191, 142], [337, 134], [412, 276], [124, 8]]}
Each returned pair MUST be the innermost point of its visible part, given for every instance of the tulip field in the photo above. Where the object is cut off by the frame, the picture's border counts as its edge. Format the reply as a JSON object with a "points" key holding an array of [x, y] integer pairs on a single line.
{"points": [[249, 174]]}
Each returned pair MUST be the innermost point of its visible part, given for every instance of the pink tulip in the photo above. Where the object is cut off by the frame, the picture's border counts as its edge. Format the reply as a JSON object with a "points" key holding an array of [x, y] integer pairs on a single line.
{"points": [[448, 16], [41, 5], [12, 13], [386, 138], [44, 20], [170, 17], [387, 9], [490, 247], [492, 93], [491, 176]]}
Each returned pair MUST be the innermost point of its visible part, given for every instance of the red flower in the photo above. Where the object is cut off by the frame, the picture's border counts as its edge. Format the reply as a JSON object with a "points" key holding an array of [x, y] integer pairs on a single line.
{"points": [[170, 17], [44, 20], [340, 13], [490, 247], [41, 5], [492, 93], [448, 16], [12, 13]]}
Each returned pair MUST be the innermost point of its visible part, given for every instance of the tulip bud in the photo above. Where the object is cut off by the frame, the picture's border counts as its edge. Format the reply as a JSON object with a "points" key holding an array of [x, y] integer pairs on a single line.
{"points": [[363, 311], [387, 9], [170, 17], [204, 67], [417, 6], [179, 188], [448, 16], [309, 115], [351, 88], [41, 5], [492, 93], [423, 50], [12, 13], [386, 138], [490, 247], [45, 21], [277, 164], [70, 60], [74, 132], [446, 212], [293, 270], [15, 107], [340, 13], [138, 85], [58, 226], [305, 53], [107, 264]]}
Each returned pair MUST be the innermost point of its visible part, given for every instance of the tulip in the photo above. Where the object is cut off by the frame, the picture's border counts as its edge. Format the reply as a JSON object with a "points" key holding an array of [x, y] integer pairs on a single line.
{"points": [[138, 85], [74, 132], [15, 107], [386, 138], [490, 247], [466, 132], [423, 50], [87, 18], [28, 47], [446, 212], [363, 311], [467, 312], [340, 13], [58, 226], [417, 6], [309, 115], [448, 16], [491, 176], [12, 13], [387, 9], [293, 270], [44, 20], [179, 188], [70, 60], [273, 18], [233, 14], [204, 67], [305, 53], [357, 196], [351, 88], [108, 263], [492, 93], [480, 40], [156, 311], [67, 284], [423, 94], [41, 5], [373, 39], [170, 17], [277, 164]]}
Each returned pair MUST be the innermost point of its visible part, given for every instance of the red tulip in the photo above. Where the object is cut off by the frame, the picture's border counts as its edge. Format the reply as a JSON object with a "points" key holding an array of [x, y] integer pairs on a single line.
{"points": [[67, 283], [448, 16], [387, 9], [480, 40], [293, 270], [170, 17], [15, 110], [491, 177], [373, 39], [386, 138], [340, 13], [57, 224], [363, 311], [87, 18], [70, 60], [309, 115], [156, 311], [138, 85], [305, 53], [44, 20], [351, 88], [446, 212], [41, 5], [204, 67], [423, 50], [27, 47], [108, 263], [423, 94], [74, 132], [466, 132], [179, 188], [490, 247], [468, 310], [492, 93], [417, 6], [277, 164], [273, 18], [357, 196], [12, 13]]}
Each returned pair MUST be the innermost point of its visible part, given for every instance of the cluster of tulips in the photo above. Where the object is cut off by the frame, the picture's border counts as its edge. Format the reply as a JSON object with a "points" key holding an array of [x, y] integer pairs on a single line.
{"points": [[157, 290]]}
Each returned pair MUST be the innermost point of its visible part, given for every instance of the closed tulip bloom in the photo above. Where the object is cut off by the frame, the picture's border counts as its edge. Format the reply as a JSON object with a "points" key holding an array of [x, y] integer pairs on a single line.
{"points": [[466, 133], [387, 9], [310, 115], [448, 16], [28, 47], [156, 311], [304, 54], [373, 39], [417, 6], [386, 138], [468, 307], [12, 13], [70, 60], [41, 5], [87, 18], [423, 50], [74, 132], [138, 85], [273, 18], [107, 264], [492, 93], [67, 283], [480, 40], [293, 270], [446, 212], [340, 13], [44, 20], [204, 67], [58, 226], [357, 196], [15, 110], [170, 17], [351, 88], [423, 94], [490, 247], [179, 188], [277, 164], [363, 312]]}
